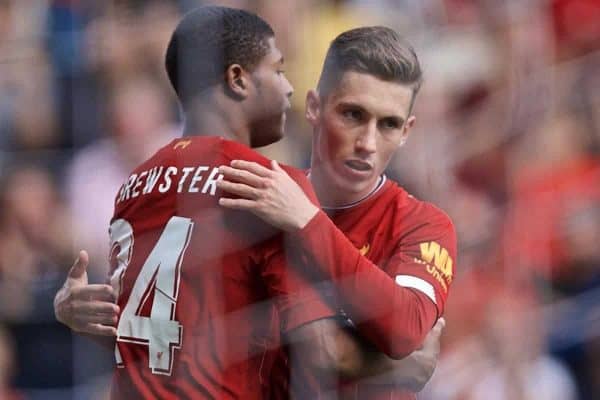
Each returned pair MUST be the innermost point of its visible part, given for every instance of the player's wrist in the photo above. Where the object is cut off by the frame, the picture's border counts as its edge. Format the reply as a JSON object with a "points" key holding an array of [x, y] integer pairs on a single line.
{"points": [[307, 215]]}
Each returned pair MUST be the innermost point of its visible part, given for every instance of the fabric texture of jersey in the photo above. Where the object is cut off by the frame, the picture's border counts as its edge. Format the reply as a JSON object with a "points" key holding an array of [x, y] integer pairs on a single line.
{"points": [[201, 288], [412, 242]]}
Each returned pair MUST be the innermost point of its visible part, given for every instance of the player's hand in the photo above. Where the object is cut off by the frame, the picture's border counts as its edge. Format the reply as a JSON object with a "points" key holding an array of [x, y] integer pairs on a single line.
{"points": [[270, 194], [425, 359], [83, 307]]}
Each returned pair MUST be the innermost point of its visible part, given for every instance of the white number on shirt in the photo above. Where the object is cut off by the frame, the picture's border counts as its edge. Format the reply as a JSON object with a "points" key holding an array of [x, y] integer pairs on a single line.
{"points": [[159, 275]]}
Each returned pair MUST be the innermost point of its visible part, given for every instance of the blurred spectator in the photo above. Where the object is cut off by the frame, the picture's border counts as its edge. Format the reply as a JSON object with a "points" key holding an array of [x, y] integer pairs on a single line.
{"points": [[34, 243], [576, 26], [581, 235], [521, 368], [33, 249], [547, 184], [139, 124], [508, 360], [27, 120], [8, 367], [317, 24], [575, 317], [590, 368], [127, 40]]}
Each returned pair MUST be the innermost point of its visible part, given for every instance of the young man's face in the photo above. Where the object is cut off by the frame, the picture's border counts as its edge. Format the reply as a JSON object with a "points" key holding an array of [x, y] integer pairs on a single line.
{"points": [[358, 125], [270, 98]]}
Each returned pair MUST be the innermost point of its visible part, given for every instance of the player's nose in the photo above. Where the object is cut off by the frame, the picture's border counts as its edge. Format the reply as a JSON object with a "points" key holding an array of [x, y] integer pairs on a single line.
{"points": [[366, 142], [287, 87]]}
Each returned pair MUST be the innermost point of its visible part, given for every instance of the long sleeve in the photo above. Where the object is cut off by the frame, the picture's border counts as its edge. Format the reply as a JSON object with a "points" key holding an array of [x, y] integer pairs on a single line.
{"points": [[393, 317]]}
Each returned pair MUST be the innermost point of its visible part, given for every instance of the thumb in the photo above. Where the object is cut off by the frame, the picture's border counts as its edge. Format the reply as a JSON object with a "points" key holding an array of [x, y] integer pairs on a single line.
{"points": [[439, 326], [80, 266]]}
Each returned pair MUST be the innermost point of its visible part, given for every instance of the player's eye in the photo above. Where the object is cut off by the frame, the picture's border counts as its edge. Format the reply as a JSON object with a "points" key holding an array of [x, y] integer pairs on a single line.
{"points": [[390, 123], [280, 72], [352, 114]]}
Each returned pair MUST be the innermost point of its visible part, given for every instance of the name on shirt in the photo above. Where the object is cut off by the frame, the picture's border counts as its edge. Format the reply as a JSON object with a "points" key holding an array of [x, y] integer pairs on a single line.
{"points": [[199, 179]]}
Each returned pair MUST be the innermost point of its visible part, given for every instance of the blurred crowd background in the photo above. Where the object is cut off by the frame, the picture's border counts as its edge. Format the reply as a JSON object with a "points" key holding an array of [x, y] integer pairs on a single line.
{"points": [[507, 141]]}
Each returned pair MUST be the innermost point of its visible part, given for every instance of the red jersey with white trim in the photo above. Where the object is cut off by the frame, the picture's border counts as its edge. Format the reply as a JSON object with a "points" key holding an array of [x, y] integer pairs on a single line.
{"points": [[412, 240], [414, 244], [198, 285]]}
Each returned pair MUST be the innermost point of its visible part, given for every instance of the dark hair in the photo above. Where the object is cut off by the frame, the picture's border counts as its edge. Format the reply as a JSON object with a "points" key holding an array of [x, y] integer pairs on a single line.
{"points": [[207, 41], [373, 50]]}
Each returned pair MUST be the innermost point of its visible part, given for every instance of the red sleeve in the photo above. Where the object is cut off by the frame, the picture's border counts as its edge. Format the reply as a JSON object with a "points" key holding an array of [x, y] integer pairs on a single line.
{"points": [[300, 177], [298, 299], [394, 318], [424, 259]]}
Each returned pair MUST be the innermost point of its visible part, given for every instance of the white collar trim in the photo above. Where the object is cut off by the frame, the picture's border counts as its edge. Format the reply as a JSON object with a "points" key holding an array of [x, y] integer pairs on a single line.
{"points": [[380, 183]]}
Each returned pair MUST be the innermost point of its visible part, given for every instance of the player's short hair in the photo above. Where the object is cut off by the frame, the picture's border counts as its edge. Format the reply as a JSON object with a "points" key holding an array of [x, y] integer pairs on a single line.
{"points": [[373, 50], [207, 41]]}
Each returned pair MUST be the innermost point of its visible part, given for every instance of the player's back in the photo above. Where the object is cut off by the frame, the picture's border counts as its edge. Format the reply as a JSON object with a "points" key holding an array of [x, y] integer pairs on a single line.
{"points": [[194, 316]]}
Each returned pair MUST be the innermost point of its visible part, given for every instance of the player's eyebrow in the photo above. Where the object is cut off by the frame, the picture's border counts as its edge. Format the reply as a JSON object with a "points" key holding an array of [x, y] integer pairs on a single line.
{"points": [[350, 104], [356, 106], [398, 120]]}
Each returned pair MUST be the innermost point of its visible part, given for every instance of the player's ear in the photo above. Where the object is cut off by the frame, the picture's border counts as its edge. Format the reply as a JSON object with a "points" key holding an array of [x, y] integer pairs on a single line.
{"points": [[410, 122], [237, 81], [313, 107]]}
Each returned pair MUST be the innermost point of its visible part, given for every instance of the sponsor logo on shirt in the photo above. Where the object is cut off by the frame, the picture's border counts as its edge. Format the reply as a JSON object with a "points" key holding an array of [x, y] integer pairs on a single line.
{"points": [[438, 262]]}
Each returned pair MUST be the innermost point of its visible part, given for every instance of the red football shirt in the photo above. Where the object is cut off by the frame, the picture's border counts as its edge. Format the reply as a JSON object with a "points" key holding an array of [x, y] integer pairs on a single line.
{"points": [[196, 283], [411, 241]]}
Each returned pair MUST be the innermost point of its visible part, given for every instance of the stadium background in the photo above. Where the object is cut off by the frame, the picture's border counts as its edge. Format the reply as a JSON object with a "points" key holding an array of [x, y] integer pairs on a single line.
{"points": [[507, 142]]}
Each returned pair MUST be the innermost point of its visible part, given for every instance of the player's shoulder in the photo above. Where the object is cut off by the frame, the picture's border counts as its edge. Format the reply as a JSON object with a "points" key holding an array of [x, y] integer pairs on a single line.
{"points": [[297, 174], [430, 211], [234, 150], [162, 156], [200, 146], [231, 150], [415, 211]]}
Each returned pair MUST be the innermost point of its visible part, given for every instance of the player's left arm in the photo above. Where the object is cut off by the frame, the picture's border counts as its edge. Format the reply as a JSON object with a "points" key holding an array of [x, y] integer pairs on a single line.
{"points": [[423, 261], [87, 309], [393, 313], [411, 372], [395, 307], [328, 347]]}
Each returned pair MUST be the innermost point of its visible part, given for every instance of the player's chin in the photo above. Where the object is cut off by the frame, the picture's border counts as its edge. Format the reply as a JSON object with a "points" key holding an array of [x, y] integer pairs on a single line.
{"points": [[267, 138], [269, 132], [356, 185], [345, 183]]}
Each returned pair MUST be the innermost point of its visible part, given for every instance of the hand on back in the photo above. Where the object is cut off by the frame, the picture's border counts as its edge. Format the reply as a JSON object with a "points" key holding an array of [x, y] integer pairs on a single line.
{"points": [[270, 194], [83, 307]]}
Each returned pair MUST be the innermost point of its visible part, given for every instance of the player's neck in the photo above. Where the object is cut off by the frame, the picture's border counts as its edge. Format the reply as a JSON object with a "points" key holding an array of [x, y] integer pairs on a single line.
{"points": [[331, 196], [211, 120]]}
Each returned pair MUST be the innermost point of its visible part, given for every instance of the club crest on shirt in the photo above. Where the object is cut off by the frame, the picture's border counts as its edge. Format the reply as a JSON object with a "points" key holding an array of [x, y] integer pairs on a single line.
{"points": [[365, 249], [182, 143]]}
